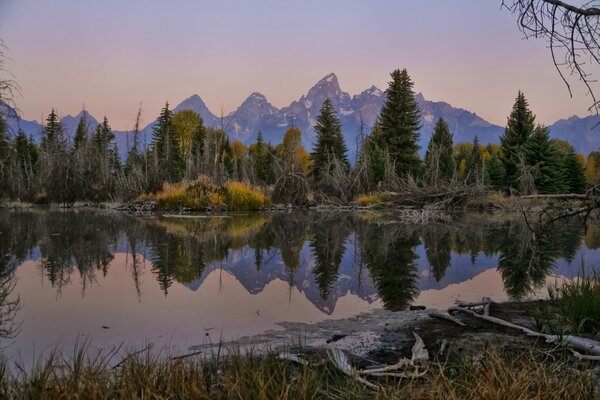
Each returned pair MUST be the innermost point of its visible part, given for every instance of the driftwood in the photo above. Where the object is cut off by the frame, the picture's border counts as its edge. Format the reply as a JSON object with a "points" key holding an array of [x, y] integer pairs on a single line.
{"points": [[557, 196], [576, 342], [447, 317], [414, 367]]}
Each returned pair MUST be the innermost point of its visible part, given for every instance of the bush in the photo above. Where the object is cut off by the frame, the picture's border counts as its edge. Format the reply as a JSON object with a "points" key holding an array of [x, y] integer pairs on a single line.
{"points": [[202, 194], [241, 197]]}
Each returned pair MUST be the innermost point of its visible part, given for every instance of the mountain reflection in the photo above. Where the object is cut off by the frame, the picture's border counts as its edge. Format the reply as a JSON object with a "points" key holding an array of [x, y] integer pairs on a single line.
{"points": [[325, 256]]}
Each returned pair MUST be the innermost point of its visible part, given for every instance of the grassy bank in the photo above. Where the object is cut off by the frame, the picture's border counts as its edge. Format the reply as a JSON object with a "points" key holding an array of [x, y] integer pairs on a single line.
{"points": [[250, 376]]}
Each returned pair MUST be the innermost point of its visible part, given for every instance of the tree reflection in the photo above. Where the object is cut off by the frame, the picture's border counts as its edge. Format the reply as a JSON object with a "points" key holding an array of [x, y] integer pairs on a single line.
{"points": [[328, 247], [79, 247], [9, 261], [389, 253], [437, 240]]}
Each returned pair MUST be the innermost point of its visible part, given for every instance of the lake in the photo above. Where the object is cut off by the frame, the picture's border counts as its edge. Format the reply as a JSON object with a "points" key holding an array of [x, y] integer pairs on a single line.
{"points": [[110, 278]]}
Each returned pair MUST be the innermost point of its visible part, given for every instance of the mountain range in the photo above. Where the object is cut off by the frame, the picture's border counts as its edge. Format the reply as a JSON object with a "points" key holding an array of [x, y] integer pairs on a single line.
{"points": [[257, 114]]}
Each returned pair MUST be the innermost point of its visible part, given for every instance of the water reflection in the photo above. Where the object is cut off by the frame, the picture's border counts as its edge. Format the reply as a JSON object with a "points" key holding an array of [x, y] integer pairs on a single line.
{"points": [[323, 256]]}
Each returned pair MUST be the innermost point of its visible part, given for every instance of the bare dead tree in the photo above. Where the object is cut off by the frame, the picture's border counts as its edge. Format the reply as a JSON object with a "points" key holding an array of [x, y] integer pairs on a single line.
{"points": [[572, 34], [9, 88], [334, 185]]}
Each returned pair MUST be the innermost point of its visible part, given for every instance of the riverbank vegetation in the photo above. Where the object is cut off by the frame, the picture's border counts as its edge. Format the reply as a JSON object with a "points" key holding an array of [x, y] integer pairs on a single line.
{"points": [[251, 376], [86, 166]]}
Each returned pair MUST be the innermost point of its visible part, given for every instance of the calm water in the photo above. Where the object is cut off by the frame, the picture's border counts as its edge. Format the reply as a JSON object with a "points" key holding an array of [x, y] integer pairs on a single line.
{"points": [[116, 279]]}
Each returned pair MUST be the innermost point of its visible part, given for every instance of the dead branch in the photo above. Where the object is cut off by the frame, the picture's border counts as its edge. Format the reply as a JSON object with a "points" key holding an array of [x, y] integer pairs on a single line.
{"points": [[291, 188], [571, 33], [577, 342]]}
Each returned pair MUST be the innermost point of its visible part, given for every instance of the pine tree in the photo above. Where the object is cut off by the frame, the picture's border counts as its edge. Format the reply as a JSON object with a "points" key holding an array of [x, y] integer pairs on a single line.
{"points": [[330, 143], [399, 121], [81, 133], [540, 154], [375, 156], [26, 152], [53, 136], [165, 146], [495, 172], [103, 137], [5, 150], [262, 161], [475, 163], [439, 160], [519, 128], [198, 141], [573, 173], [55, 170]]}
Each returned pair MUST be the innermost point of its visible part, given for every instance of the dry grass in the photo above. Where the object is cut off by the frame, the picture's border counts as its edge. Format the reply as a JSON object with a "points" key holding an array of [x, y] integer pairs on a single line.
{"points": [[202, 194], [251, 376], [373, 199]]}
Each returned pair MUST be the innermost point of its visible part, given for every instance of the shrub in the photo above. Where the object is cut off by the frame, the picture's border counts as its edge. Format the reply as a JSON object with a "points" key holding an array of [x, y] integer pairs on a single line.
{"points": [[202, 194], [241, 197]]}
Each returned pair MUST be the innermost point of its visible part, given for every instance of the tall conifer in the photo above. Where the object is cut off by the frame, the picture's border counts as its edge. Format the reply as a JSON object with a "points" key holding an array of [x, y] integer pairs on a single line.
{"points": [[330, 142], [399, 121], [439, 160], [519, 128]]}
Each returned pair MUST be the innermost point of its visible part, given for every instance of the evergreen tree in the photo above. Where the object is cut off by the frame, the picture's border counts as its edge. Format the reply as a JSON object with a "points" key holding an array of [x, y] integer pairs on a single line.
{"points": [[330, 142], [539, 153], [81, 133], [439, 160], [5, 150], [375, 156], [198, 141], [55, 170], [26, 152], [103, 138], [53, 136], [170, 164], [475, 163], [573, 173], [262, 161], [519, 128], [399, 121], [495, 172]]}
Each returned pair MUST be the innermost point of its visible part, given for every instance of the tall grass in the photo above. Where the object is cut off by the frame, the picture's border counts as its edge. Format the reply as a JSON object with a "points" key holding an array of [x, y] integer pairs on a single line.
{"points": [[579, 302], [148, 375]]}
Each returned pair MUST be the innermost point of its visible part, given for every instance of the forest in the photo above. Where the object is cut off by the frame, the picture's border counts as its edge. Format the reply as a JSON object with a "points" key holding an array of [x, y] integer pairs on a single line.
{"points": [[189, 165]]}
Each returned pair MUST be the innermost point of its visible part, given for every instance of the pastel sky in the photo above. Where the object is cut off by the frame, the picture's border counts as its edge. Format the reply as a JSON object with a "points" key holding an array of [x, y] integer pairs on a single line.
{"points": [[112, 55]]}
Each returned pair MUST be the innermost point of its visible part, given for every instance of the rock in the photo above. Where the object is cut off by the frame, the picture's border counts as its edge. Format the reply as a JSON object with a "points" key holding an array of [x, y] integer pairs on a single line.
{"points": [[416, 307]]}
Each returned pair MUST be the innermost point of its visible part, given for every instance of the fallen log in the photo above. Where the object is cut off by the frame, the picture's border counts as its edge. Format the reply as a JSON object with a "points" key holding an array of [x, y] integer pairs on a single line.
{"points": [[576, 342], [447, 317]]}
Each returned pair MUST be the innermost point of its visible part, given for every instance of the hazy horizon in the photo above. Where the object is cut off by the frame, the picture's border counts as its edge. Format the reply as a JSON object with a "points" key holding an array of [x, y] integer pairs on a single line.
{"points": [[112, 56]]}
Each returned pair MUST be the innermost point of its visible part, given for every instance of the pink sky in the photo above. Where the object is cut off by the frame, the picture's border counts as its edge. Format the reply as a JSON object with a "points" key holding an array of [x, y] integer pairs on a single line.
{"points": [[113, 55]]}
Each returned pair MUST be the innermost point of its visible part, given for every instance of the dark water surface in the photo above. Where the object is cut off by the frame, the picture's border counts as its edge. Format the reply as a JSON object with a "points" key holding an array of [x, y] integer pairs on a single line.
{"points": [[113, 278]]}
